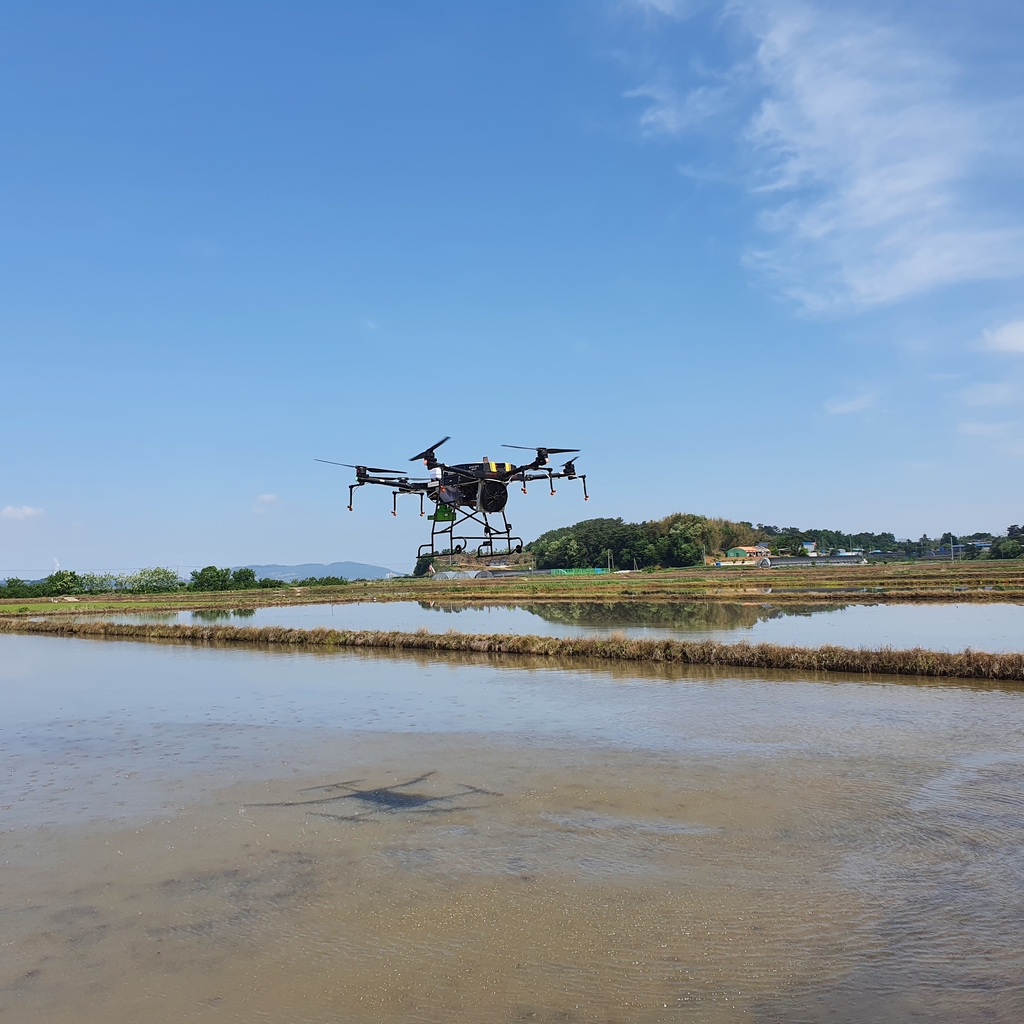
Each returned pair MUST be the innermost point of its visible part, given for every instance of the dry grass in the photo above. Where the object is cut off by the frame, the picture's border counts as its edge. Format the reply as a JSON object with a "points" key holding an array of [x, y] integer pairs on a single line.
{"points": [[883, 661]]}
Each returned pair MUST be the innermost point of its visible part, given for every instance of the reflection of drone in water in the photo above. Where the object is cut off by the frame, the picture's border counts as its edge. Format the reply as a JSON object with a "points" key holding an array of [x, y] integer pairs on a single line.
{"points": [[467, 491]]}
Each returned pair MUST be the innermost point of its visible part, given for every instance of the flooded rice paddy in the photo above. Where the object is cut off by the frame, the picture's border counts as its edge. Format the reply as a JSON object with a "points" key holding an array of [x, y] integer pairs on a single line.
{"points": [[206, 834], [982, 627]]}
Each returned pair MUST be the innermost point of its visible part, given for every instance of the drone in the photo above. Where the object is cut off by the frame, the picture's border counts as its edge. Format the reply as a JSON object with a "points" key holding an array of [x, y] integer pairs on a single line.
{"points": [[467, 495]]}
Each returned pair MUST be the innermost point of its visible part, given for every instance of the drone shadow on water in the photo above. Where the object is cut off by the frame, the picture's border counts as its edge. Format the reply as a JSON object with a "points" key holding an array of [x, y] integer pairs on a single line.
{"points": [[393, 799]]}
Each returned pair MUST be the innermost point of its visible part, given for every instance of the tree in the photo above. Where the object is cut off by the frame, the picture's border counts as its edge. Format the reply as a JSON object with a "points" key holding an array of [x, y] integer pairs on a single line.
{"points": [[151, 581], [676, 540], [17, 588], [423, 565], [1006, 547], [244, 579], [99, 583], [210, 578], [588, 544], [63, 581]]}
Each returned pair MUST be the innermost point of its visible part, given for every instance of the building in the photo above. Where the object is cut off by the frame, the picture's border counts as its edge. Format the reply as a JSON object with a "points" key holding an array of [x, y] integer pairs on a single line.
{"points": [[755, 551]]}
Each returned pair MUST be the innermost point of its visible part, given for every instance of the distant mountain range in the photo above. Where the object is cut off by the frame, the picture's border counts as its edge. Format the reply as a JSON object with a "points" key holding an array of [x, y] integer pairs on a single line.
{"points": [[291, 573]]}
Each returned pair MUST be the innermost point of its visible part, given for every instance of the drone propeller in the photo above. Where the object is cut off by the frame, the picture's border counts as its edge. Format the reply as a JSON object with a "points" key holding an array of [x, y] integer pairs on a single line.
{"points": [[429, 452], [538, 450], [366, 469]]}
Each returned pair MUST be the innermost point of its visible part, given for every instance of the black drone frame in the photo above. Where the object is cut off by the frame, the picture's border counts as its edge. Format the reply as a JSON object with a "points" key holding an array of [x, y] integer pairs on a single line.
{"points": [[452, 519], [458, 541]]}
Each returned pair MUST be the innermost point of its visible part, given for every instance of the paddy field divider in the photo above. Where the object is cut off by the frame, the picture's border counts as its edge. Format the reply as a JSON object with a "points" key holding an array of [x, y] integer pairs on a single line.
{"points": [[917, 661]]}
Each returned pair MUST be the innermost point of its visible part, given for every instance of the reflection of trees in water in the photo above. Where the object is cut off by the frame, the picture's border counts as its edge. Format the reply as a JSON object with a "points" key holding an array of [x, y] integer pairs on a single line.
{"points": [[690, 616], [221, 614], [684, 616], [157, 618]]}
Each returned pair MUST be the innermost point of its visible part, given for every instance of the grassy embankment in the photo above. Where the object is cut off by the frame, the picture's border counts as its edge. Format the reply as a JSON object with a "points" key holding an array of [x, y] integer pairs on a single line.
{"points": [[865, 584], [882, 661]]}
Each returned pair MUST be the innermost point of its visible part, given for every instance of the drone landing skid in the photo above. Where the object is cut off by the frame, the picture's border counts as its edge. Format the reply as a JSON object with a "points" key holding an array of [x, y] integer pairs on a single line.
{"points": [[492, 537]]}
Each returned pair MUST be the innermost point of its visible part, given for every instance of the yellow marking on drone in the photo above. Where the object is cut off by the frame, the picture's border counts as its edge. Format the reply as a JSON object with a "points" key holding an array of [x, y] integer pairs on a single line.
{"points": [[507, 465]]}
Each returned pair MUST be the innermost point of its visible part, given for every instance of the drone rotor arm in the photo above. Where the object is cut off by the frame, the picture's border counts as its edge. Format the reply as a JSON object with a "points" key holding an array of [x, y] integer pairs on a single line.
{"points": [[428, 453]]}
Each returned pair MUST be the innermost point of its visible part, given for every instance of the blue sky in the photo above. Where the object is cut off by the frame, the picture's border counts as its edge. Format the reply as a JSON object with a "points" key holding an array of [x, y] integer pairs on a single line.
{"points": [[759, 260]]}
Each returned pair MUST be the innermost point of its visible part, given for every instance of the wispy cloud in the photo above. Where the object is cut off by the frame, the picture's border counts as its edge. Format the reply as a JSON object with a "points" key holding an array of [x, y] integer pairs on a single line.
{"points": [[873, 162], [984, 429], [1006, 338], [874, 156], [263, 503], [668, 112], [676, 9], [841, 406], [994, 394], [20, 512]]}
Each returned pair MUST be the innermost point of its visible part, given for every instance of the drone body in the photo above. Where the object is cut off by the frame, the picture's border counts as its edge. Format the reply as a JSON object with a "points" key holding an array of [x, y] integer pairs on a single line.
{"points": [[467, 494]]}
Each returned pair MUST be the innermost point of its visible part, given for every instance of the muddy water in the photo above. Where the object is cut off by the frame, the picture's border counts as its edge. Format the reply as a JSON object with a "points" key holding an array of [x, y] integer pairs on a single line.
{"points": [[982, 627], [240, 835]]}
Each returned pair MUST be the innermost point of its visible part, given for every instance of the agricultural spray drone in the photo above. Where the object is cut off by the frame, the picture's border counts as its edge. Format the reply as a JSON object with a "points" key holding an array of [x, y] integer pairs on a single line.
{"points": [[467, 495]]}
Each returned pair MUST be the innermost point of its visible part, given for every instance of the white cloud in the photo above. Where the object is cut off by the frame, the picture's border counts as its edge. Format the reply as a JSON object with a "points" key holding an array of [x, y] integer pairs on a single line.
{"points": [[989, 394], [874, 163], [263, 503], [676, 9], [842, 406], [669, 113], [984, 429], [872, 153], [1007, 338], [20, 512]]}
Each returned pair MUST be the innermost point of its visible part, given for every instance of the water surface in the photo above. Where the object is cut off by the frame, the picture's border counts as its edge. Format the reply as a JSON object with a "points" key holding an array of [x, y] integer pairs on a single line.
{"points": [[947, 627], [193, 833]]}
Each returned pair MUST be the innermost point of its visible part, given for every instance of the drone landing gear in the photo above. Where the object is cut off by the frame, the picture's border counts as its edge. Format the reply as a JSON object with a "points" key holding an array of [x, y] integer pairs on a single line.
{"points": [[449, 522]]}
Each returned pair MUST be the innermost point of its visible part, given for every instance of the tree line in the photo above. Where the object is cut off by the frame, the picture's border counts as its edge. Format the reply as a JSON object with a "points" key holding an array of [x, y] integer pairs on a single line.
{"points": [[66, 582], [789, 540], [680, 539], [684, 539]]}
